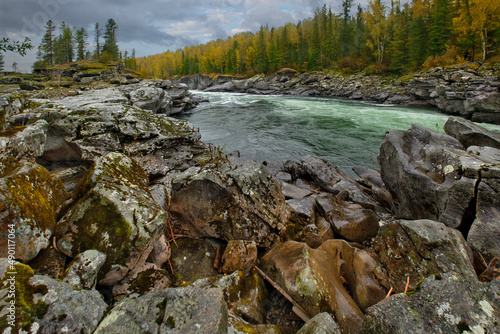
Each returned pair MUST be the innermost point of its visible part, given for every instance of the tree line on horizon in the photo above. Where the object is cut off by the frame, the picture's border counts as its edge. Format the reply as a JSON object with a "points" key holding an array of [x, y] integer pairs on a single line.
{"points": [[382, 38], [71, 44]]}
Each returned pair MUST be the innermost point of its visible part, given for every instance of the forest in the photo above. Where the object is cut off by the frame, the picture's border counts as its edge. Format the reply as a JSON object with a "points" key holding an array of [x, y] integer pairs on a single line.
{"points": [[383, 38]]}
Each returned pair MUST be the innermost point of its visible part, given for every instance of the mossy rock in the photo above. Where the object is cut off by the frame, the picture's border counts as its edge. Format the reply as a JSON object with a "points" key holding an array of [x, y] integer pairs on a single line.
{"points": [[114, 213], [27, 311], [30, 199]]}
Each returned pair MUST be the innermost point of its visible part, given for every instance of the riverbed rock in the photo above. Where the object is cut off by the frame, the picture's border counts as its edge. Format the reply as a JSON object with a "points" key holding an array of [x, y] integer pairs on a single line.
{"points": [[471, 134], [445, 303], [331, 179], [172, 310], [236, 202], [114, 213], [82, 271], [29, 201], [348, 220], [312, 278], [416, 249]]}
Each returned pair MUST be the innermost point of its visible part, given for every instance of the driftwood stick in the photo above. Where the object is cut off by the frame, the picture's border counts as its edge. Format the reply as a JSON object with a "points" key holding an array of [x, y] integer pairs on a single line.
{"points": [[297, 309]]}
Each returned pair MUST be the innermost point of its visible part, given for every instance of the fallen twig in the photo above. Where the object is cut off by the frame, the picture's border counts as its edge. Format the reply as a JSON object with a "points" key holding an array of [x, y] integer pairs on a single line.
{"points": [[390, 292], [407, 284], [491, 271], [297, 309]]}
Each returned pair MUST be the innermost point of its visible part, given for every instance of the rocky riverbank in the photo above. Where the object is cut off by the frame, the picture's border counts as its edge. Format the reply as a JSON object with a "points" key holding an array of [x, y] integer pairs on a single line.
{"points": [[124, 221], [468, 91]]}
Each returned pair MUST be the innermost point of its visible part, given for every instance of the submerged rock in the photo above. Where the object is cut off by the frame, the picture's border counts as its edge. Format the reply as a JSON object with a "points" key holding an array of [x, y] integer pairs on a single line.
{"points": [[114, 213]]}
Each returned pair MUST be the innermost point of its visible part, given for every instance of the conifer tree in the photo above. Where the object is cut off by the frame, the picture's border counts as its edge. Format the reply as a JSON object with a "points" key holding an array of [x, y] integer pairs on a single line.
{"points": [[47, 45], [110, 43], [2, 63], [97, 40], [63, 45], [80, 37]]}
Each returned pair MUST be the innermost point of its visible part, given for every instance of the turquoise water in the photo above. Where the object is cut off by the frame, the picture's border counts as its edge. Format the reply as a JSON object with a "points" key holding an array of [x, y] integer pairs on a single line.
{"points": [[280, 128]]}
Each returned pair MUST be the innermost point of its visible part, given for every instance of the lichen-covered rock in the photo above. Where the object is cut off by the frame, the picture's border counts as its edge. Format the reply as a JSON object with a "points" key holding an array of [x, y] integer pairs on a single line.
{"points": [[419, 248], [160, 252], [429, 175], [322, 323], [114, 213], [446, 303], [172, 310], [239, 255], [142, 280], [147, 98], [45, 305], [236, 202], [29, 201], [82, 271], [312, 278], [236, 325], [21, 144]]}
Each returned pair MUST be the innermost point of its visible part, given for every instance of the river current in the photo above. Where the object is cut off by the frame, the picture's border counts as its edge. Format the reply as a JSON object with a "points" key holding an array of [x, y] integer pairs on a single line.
{"points": [[280, 128]]}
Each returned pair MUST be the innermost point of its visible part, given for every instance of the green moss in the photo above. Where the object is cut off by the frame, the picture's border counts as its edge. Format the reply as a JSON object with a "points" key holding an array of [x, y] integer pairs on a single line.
{"points": [[170, 322], [102, 227], [36, 194], [27, 311], [246, 329], [11, 132], [162, 306], [145, 281]]}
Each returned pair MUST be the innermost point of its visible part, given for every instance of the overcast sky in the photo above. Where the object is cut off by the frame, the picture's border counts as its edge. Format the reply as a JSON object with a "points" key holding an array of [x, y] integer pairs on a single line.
{"points": [[149, 26]]}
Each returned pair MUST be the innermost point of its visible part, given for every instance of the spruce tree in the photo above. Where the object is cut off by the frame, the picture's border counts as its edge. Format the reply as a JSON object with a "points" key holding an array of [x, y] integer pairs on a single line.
{"points": [[80, 37], [63, 45], [47, 46], [2, 63], [110, 42]]}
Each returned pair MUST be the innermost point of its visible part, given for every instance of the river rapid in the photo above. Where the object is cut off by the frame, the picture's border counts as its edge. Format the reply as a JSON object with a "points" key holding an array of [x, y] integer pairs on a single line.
{"points": [[279, 128]]}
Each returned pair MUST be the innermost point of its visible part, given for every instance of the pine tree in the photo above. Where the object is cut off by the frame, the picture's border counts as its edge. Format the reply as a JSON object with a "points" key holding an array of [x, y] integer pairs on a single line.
{"points": [[345, 30], [80, 37], [440, 29], [110, 43], [97, 40], [47, 45]]}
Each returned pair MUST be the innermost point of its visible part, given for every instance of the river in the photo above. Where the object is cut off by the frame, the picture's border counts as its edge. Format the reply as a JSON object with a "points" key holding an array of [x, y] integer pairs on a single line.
{"points": [[280, 128]]}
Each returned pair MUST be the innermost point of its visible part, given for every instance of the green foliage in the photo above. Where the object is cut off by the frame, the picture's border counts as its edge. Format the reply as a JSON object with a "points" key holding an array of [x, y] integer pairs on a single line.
{"points": [[384, 37], [110, 43], [15, 46]]}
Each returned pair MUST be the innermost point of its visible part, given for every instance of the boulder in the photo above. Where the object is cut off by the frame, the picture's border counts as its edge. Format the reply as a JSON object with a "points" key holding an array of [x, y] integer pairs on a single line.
{"points": [[29, 201], [82, 271], [246, 295], [236, 202], [172, 310], [142, 280], [416, 249], [239, 255], [49, 262], [447, 303], [322, 323], [471, 134], [21, 144], [331, 179], [349, 220], [45, 305], [114, 213], [147, 98], [312, 277]]}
